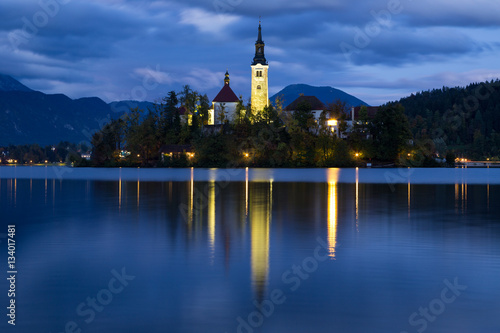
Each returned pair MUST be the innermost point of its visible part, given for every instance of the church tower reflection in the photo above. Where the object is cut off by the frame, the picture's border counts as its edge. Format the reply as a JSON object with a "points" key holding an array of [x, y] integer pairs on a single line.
{"points": [[260, 206]]}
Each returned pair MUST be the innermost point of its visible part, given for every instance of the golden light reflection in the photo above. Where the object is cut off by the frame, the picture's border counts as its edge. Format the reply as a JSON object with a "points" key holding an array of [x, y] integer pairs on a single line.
{"points": [[120, 193], [138, 192], [332, 217], [332, 175], [488, 196], [461, 196], [211, 218], [357, 199], [260, 211], [191, 202], [246, 191]]}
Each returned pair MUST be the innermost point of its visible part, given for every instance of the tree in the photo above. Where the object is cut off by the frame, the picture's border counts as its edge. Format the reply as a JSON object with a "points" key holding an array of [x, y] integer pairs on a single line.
{"points": [[391, 132], [203, 108], [303, 115]]}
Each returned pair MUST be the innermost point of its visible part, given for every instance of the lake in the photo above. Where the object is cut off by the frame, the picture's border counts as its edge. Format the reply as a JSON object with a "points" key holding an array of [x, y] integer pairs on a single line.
{"points": [[252, 250]]}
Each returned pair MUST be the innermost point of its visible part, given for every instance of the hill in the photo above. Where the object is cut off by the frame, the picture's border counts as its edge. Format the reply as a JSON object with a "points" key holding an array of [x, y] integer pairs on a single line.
{"points": [[463, 119], [28, 116], [7, 83], [326, 95]]}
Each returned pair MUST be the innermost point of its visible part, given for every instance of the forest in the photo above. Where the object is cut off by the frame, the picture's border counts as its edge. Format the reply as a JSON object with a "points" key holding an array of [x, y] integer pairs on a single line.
{"points": [[464, 120]]}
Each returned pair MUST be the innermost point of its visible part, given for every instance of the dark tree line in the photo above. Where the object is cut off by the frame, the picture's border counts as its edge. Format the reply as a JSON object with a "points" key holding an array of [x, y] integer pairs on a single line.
{"points": [[64, 152], [465, 120]]}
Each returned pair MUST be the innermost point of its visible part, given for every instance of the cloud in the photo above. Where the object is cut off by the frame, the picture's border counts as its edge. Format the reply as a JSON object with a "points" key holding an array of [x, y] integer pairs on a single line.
{"points": [[109, 47], [206, 21]]}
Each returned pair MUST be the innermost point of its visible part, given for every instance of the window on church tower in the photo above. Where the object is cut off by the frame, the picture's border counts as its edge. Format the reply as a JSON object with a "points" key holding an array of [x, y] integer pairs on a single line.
{"points": [[258, 87]]}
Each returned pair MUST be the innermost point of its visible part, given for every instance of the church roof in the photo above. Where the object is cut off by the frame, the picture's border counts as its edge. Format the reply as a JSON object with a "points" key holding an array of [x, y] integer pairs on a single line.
{"points": [[226, 95], [315, 103]]}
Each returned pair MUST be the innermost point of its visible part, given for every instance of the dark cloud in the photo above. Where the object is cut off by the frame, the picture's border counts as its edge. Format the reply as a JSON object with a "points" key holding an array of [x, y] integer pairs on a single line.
{"points": [[102, 47]]}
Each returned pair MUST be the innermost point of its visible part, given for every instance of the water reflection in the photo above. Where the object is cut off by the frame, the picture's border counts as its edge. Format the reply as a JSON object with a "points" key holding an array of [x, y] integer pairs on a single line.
{"points": [[246, 235], [332, 218], [211, 219], [260, 219]]}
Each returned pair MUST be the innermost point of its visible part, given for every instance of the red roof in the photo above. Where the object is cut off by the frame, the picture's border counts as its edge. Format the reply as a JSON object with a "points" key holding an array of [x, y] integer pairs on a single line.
{"points": [[313, 101], [226, 95]]}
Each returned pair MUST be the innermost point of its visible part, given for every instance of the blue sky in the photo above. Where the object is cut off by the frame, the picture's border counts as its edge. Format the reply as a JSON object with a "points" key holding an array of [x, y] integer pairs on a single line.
{"points": [[377, 50]]}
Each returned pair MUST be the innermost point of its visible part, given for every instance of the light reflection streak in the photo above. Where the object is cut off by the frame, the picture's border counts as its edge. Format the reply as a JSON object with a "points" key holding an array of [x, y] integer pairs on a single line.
{"points": [[259, 231], [332, 218], [409, 199], [488, 196], [357, 199], [120, 194], [333, 177], [138, 192], [211, 219], [246, 191]]}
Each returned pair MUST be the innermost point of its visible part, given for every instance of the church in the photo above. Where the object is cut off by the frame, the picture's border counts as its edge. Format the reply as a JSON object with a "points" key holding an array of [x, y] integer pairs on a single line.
{"points": [[224, 105]]}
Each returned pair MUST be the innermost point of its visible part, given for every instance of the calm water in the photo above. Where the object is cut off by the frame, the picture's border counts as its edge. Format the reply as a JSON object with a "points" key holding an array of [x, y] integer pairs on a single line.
{"points": [[261, 253]]}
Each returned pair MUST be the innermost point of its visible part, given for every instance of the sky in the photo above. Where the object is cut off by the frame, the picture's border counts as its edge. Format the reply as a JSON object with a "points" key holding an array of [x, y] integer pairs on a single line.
{"points": [[377, 50]]}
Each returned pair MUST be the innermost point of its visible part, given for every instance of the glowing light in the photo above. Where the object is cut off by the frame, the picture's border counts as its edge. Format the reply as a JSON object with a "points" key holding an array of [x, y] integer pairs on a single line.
{"points": [[332, 122], [357, 154], [332, 218], [246, 154]]}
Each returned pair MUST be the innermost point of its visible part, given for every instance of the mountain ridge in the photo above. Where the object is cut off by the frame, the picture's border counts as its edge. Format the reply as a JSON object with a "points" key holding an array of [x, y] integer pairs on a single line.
{"points": [[325, 94]]}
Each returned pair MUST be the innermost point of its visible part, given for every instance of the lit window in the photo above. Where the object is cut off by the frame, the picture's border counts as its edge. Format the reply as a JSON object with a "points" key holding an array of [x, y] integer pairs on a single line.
{"points": [[332, 122]]}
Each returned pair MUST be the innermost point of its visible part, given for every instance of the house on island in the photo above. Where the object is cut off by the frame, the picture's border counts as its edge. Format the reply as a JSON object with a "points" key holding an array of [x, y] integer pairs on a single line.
{"points": [[317, 108]]}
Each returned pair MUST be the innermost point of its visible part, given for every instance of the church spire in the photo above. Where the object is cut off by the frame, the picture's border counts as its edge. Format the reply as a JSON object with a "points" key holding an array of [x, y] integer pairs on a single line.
{"points": [[259, 49], [226, 79]]}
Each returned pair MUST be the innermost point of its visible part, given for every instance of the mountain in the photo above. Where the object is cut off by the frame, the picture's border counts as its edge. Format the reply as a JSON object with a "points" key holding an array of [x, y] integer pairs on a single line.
{"points": [[28, 116], [325, 94], [125, 106], [7, 83]]}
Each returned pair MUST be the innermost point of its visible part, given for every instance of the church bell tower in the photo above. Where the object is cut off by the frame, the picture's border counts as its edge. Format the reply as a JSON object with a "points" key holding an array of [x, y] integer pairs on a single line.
{"points": [[260, 92]]}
